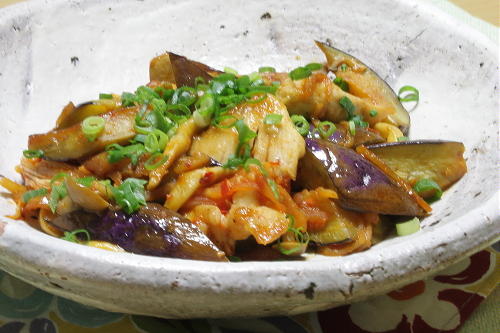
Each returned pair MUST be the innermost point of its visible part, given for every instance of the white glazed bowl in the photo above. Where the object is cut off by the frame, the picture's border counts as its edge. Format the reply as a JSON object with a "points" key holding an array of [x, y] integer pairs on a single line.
{"points": [[406, 42]]}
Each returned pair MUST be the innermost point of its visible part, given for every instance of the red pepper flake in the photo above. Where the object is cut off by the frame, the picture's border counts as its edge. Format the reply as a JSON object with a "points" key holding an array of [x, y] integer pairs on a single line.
{"points": [[207, 178]]}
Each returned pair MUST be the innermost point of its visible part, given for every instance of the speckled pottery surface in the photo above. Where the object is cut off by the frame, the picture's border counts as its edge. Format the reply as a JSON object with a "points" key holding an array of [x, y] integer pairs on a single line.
{"points": [[55, 51]]}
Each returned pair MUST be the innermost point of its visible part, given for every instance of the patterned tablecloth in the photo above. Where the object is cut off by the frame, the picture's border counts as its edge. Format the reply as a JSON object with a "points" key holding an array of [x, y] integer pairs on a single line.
{"points": [[440, 303]]}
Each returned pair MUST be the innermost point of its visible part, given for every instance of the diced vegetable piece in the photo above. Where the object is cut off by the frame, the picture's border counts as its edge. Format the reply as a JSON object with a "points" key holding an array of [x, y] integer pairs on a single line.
{"points": [[71, 143], [366, 84], [408, 227], [153, 230], [179, 70], [440, 161], [72, 115], [360, 185]]}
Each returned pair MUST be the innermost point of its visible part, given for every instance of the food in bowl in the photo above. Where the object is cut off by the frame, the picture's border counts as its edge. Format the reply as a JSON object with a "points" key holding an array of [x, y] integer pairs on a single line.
{"points": [[213, 165]]}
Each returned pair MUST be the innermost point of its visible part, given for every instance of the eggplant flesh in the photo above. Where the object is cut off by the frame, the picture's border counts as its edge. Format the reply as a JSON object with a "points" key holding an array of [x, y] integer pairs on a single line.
{"points": [[153, 230], [366, 84], [440, 161], [70, 143], [361, 186]]}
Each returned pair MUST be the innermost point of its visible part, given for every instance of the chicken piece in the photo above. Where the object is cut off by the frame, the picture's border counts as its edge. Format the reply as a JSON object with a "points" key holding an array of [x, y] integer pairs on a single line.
{"points": [[70, 143], [213, 223], [177, 146], [38, 173], [188, 183], [281, 143], [247, 217], [318, 97]]}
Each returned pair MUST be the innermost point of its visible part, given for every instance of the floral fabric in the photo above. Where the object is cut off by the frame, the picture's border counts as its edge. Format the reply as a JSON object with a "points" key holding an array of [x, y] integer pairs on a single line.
{"points": [[440, 303]]}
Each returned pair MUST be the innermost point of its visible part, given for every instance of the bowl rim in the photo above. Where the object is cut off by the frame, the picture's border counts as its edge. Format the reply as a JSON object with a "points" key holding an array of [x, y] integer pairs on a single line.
{"points": [[360, 273]]}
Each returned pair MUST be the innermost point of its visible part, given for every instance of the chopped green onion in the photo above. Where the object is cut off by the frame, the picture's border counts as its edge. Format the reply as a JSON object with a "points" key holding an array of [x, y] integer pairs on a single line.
{"points": [[341, 83], [144, 95], [300, 73], [230, 70], [255, 76], [402, 138], [57, 193], [425, 184], [348, 106], [86, 181], [352, 127], [412, 95], [92, 126], [326, 128], [116, 152], [408, 227], [130, 194], [267, 69], [300, 236], [245, 134], [153, 162], [151, 145], [273, 119], [58, 176], [128, 99], [373, 113], [30, 153], [313, 66], [234, 259], [72, 236], [301, 124], [343, 67], [105, 96], [27, 196], [185, 96]]}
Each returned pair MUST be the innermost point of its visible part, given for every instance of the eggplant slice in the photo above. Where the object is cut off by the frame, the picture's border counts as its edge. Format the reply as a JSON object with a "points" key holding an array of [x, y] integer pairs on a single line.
{"points": [[366, 84], [440, 161], [361, 186]]}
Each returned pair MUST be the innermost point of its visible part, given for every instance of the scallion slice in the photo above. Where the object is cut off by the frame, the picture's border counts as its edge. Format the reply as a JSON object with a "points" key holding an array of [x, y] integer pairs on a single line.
{"points": [[105, 96], [27, 196], [267, 69], [326, 128], [352, 127], [373, 113], [154, 161], [348, 106], [313, 66], [408, 94], [30, 153], [72, 236], [300, 73], [92, 127], [408, 227], [425, 184], [230, 70], [273, 119], [301, 124]]}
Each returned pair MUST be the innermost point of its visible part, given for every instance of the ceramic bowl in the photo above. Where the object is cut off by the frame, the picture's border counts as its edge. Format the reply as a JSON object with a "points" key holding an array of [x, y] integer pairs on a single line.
{"points": [[53, 52]]}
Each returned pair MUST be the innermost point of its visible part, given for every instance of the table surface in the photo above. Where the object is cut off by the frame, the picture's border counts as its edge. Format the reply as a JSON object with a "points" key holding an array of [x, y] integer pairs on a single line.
{"points": [[488, 10]]}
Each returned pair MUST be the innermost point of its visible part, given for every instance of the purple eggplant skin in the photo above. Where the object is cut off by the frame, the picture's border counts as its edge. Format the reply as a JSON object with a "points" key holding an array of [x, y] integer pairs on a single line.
{"points": [[360, 185], [153, 230]]}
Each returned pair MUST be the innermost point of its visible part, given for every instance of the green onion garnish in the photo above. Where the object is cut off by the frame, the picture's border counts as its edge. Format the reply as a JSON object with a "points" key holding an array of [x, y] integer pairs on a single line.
{"points": [[30, 153], [408, 227], [300, 236], [412, 95], [267, 69], [402, 138], [343, 67], [154, 161], [27, 196], [300, 73], [326, 128], [92, 127], [130, 194], [352, 127], [105, 96], [230, 70], [373, 113], [72, 236], [86, 181], [151, 144], [341, 83], [273, 119], [301, 124], [313, 66], [57, 193], [348, 106], [116, 152], [425, 184]]}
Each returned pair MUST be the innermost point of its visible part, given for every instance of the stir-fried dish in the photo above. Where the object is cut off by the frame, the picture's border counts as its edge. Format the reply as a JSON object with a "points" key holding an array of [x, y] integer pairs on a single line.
{"points": [[214, 165]]}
